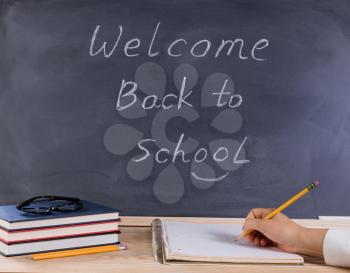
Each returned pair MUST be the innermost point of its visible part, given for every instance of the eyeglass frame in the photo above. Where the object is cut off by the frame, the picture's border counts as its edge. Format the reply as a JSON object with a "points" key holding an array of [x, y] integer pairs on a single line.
{"points": [[49, 198]]}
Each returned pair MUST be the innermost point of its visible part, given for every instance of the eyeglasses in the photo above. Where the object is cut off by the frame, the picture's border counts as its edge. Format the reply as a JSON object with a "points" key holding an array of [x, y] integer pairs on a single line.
{"points": [[50, 203]]}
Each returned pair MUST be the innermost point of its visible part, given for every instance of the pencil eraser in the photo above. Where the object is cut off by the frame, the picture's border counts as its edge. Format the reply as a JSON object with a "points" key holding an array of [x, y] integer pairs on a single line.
{"points": [[317, 183]]}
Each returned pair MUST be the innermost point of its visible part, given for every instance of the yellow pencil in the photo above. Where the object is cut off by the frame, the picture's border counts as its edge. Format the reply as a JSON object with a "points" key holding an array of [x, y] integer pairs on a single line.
{"points": [[285, 205], [76, 252]]}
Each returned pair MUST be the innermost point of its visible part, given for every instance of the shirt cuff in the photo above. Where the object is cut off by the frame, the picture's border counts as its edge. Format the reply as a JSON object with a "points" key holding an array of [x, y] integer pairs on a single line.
{"points": [[336, 247]]}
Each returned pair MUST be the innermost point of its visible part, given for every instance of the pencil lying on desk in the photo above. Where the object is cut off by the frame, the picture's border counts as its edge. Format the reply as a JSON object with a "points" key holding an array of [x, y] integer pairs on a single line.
{"points": [[283, 206], [76, 252]]}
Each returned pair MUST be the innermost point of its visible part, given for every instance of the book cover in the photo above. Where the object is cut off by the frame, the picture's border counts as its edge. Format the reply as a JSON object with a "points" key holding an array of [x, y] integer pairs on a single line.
{"points": [[12, 219], [11, 214]]}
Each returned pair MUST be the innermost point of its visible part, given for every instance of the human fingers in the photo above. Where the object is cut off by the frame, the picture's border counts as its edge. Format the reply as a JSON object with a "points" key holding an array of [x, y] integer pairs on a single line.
{"points": [[265, 242], [251, 236], [257, 240], [259, 213], [261, 225]]}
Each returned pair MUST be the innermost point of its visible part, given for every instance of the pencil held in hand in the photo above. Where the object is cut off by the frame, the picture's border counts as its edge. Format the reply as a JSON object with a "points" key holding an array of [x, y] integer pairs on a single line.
{"points": [[283, 206]]}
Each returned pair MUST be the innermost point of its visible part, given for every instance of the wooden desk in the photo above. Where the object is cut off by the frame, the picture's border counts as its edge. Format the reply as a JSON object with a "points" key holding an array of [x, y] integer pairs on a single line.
{"points": [[139, 257]]}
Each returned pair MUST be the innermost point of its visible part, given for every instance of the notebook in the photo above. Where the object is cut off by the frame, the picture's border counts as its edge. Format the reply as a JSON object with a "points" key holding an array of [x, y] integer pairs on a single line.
{"points": [[179, 241]]}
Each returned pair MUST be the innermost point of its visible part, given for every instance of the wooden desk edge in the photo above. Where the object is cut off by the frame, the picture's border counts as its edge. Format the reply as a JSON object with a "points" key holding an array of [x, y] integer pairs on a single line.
{"points": [[139, 257], [145, 221]]}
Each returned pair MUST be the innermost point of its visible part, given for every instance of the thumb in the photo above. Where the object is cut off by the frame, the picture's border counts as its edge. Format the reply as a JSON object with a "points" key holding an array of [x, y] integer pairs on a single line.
{"points": [[260, 225]]}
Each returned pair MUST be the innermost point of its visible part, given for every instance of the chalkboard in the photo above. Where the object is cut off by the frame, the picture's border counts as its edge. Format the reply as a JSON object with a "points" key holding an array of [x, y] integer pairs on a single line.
{"points": [[187, 107]]}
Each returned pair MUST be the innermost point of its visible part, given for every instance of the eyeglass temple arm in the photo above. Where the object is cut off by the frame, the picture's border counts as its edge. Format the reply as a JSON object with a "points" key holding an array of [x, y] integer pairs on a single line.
{"points": [[50, 197]]}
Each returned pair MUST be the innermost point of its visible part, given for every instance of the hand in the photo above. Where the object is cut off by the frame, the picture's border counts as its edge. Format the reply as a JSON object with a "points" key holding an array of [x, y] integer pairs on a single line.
{"points": [[283, 233]]}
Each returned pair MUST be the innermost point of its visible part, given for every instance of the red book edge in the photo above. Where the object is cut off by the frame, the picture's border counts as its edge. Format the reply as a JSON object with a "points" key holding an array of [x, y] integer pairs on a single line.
{"points": [[117, 231], [60, 226]]}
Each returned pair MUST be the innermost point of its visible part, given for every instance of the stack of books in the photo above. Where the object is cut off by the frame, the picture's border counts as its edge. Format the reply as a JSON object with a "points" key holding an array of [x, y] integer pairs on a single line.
{"points": [[22, 233]]}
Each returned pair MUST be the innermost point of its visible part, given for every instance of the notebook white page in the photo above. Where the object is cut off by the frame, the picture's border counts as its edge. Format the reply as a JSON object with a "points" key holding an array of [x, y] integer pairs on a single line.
{"points": [[216, 243]]}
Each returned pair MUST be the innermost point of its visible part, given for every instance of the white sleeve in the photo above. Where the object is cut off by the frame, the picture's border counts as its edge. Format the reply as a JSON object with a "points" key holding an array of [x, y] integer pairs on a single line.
{"points": [[336, 247]]}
